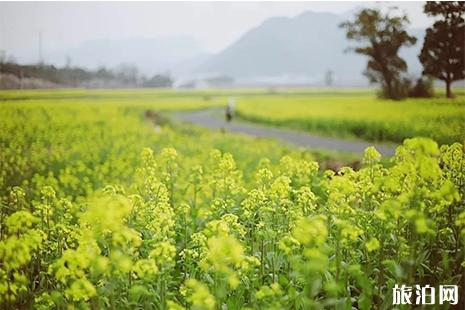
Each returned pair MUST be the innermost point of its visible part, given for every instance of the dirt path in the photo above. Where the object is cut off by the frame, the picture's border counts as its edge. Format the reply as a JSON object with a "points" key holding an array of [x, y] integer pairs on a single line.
{"points": [[214, 119]]}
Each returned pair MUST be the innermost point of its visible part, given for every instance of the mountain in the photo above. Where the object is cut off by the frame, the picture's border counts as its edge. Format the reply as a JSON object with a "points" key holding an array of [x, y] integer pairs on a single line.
{"points": [[302, 48], [150, 55], [184, 68]]}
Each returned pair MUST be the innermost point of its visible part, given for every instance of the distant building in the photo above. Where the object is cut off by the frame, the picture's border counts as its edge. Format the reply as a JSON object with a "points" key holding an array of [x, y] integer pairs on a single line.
{"points": [[212, 82]]}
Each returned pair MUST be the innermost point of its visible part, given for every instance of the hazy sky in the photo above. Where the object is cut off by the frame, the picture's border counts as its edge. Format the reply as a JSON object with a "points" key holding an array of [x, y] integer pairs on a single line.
{"points": [[213, 24]]}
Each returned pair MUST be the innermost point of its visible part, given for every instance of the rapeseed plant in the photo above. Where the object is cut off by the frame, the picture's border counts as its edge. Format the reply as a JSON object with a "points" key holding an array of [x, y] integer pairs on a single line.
{"points": [[144, 221]]}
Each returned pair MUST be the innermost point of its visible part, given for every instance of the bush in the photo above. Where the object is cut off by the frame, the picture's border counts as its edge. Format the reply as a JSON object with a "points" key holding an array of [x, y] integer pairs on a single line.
{"points": [[422, 89], [402, 89], [399, 89]]}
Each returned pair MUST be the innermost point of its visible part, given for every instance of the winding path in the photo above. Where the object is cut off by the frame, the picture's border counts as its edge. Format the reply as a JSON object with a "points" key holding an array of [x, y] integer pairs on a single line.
{"points": [[212, 118]]}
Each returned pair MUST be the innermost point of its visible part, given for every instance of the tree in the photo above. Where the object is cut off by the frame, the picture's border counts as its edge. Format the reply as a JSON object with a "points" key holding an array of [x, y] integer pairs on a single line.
{"points": [[159, 80], [128, 74], [383, 35], [68, 61], [443, 52], [2, 56]]}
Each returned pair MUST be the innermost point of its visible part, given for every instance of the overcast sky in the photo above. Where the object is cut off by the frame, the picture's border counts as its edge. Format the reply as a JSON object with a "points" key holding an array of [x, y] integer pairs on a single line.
{"points": [[213, 24]]}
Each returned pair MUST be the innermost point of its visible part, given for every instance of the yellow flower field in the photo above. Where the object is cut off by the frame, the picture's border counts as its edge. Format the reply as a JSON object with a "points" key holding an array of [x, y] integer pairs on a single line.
{"points": [[101, 211]]}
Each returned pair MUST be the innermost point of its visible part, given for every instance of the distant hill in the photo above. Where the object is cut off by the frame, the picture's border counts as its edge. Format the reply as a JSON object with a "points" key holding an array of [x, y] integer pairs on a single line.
{"points": [[280, 51], [150, 55], [302, 49]]}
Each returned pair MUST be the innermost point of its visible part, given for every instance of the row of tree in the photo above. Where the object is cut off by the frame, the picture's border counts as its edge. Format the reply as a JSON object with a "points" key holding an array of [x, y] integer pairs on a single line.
{"points": [[122, 76], [382, 35]]}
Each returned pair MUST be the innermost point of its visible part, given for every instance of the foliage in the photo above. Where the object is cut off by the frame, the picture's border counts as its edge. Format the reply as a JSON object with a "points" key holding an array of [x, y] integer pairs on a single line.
{"points": [[99, 211], [158, 80], [384, 36], [443, 52], [122, 76], [423, 88]]}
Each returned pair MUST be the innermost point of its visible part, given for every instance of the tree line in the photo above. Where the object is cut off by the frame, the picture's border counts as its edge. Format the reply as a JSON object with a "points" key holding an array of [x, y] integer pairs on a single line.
{"points": [[382, 35], [13, 75]]}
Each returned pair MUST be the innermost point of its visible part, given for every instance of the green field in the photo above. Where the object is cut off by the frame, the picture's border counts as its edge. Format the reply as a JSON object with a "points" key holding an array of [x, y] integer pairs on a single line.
{"points": [[102, 210], [360, 114], [347, 113]]}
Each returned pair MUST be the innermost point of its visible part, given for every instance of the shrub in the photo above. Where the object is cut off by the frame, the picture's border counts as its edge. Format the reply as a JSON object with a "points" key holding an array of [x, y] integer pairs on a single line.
{"points": [[422, 89]]}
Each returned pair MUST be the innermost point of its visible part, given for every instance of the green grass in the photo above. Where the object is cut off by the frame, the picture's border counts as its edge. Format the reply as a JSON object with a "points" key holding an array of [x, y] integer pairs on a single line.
{"points": [[360, 114], [348, 113], [125, 109]]}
